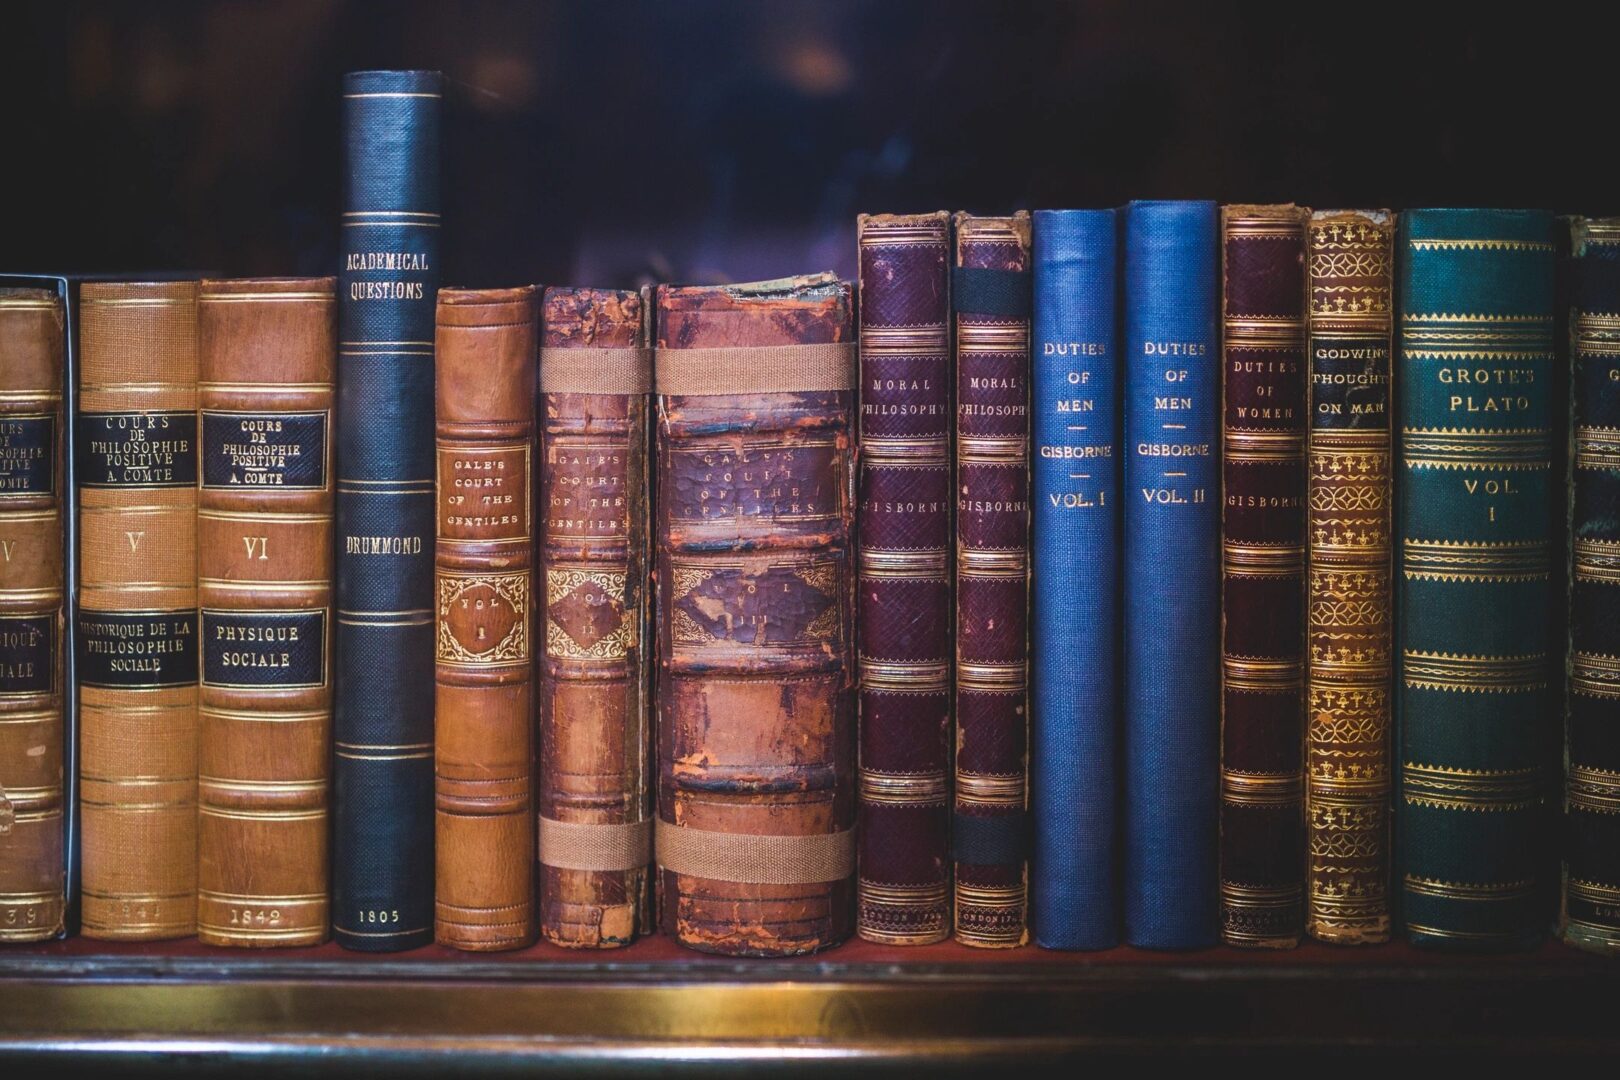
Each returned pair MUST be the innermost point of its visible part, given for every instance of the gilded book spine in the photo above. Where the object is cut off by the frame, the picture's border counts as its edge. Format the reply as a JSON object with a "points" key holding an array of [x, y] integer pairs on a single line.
{"points": [[991, 279], [31, 593], [1476, 343], [1591, 901], [1349, 618], [1262, 575], [484, 582], [594, 792], [382, 768], [756, 795], [264, 584], [905, 579], [137, 611]]}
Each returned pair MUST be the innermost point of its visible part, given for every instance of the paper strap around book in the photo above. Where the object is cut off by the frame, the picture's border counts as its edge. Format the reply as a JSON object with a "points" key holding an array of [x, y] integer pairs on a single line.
{"points": [[595, 371], [756, 860], [760, 369], [573, 845]]}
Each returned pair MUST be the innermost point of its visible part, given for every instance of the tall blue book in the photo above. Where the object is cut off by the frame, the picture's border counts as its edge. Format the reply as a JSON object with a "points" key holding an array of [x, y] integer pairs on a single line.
{"points": [[382, 841], [1170, 581], [1074, 703], [1473, 698]]}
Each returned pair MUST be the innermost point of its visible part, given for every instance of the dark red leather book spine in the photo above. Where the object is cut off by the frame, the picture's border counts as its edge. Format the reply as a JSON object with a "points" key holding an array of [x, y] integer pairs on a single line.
{"points": [[905, 579], [1263, 576], [992, 301]]}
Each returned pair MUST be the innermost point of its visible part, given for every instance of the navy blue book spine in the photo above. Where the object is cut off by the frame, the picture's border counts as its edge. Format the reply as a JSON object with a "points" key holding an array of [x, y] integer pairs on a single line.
{"points": [[1075, 593], [1171, 574], [382, 843]]}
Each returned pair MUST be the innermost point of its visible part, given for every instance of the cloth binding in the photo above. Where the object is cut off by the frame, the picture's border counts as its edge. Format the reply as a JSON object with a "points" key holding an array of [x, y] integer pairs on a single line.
{"points": [[595, 371], [576, 845], [760, 369], [756, 860]]}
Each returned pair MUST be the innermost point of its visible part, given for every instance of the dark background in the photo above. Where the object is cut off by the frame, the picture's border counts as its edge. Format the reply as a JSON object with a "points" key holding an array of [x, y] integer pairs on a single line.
{"points": [[606, 142]]}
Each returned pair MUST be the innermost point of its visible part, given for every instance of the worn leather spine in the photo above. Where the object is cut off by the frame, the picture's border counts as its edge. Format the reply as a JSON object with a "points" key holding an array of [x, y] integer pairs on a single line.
{"points": [[1074, 603], [1591, 889], [382, 836], [595, 791], [905, 591], [1170, 575], [267, 350], [1349, 621], [756, 792], [137, 609], [990, 830], [32, 799], [487, 346], [1476, 342], [1262, 830]]}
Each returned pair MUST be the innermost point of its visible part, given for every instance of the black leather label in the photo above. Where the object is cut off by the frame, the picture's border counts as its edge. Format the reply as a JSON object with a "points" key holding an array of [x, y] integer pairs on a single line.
{"points": [[27, 654], [27, 455], [137, 449], [130, 650], [264, 450], [251, 649]]}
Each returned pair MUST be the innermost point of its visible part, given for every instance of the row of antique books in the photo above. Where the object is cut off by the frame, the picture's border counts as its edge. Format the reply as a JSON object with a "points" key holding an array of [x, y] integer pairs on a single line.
{"points": [[400, 613]]}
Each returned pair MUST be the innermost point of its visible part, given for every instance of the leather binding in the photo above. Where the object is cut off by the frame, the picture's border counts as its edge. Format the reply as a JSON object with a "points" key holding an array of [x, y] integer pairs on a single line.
{"points": [[266, 351], [1350, 267], [595, 811], [382, 836], [1476, 342], [1170, 574], [756, 793], [1262, 835], [1591, 888], [136, 446], [1074, 690], [991, 298], [486, 347], [32, 798], [905, 609]]}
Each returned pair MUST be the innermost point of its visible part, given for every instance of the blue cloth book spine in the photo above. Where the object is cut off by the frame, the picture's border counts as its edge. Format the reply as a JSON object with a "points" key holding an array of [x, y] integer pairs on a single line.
{"points": [[382, 841], [1075, 593], [1171, 573]]}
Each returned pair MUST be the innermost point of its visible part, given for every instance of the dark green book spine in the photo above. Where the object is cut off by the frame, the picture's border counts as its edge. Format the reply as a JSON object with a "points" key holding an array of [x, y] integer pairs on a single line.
{"points": [[1476, 355]]}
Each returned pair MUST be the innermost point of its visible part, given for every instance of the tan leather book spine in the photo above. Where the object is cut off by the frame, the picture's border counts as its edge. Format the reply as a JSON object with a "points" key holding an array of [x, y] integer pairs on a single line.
{"points": [[487, 347], [31, 591], [595, 814], [137, 613], [264, 584]]}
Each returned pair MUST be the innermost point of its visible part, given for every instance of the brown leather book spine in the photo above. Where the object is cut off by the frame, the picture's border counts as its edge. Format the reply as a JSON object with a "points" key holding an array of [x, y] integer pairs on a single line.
{"points": [[992, 299], [595, 814], [904, 606], [31, 592], [756, 793], [1351, 591], [487, 348], [266, 352], [1262, 836], [137, 612]]}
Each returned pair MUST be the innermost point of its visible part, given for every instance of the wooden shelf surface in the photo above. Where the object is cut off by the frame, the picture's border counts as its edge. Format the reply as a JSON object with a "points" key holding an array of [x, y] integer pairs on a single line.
{"points": [[657, 1005]]}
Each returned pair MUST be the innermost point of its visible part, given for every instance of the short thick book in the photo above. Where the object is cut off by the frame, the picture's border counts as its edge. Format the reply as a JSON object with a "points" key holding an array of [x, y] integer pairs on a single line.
{"points": [[1591, 901], [990, 831], [1262, 836], [1170, 573], [1350, 593], [595, 809], [32, 796], [905, 578], [1074, 689], [756, 789], [382, 836], [487, 343], [264, 584], [137, 609], [1476, 344]]}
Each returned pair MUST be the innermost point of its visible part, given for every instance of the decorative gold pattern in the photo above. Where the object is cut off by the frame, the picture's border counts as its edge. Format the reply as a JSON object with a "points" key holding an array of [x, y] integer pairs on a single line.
{"points": [[1483, 790], [1422, 670], [513, 646], [614, 645]]}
